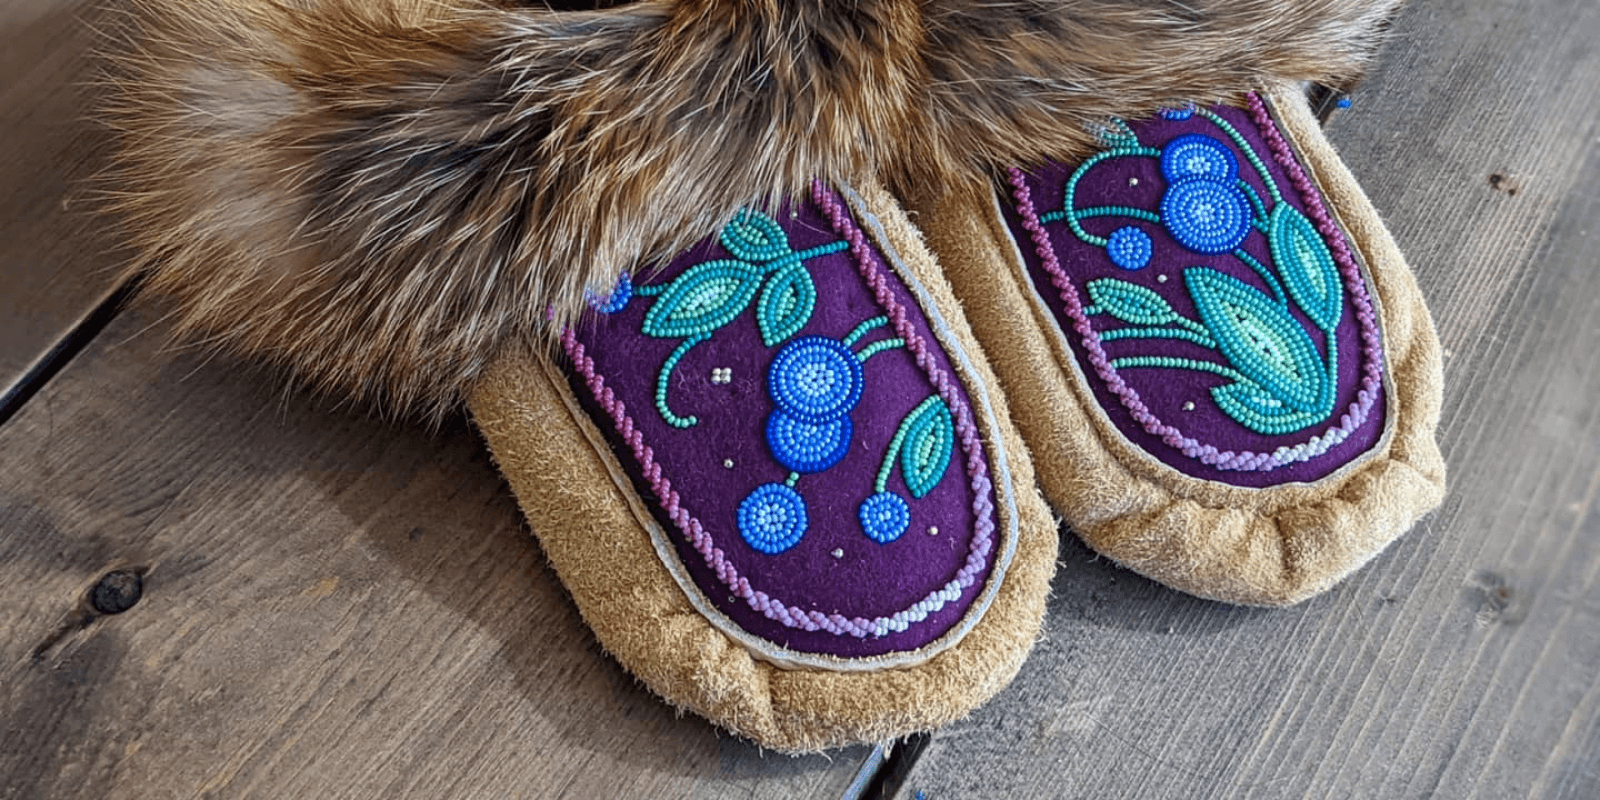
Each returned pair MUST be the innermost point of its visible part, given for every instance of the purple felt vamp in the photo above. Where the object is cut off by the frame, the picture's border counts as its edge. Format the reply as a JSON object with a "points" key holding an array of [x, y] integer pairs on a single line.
{"points": [[780, 402], [1211, 301]]}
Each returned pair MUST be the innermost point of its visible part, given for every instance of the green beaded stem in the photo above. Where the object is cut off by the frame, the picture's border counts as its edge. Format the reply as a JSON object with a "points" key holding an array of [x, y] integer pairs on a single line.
{"points": [[1249, 152], [1105, 211], [1202, 339], [794, 477], [1266, 275], [664, 378], [1260, 222], [877, 347], [804, 255], [861, 330], [1168, 362], [1067, 211]]}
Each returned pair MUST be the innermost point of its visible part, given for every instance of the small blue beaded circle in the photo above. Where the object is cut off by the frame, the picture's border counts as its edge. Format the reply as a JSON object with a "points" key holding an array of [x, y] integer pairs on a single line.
{"points": [[772, 518], [806, 447], [815, 379], [1206, 216], [614, 302], [884, 516], [1196, 155], [1129, 248]]}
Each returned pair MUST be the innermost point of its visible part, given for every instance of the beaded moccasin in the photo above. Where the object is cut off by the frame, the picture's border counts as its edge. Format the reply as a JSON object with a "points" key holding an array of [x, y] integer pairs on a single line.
{"points": [[802, 511], [1222, 364]]}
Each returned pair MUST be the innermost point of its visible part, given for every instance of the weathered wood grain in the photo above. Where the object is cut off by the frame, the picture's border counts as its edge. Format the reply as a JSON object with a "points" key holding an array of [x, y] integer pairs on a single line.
{"points": [[56, 260], [332, 607], [1464, 662]]}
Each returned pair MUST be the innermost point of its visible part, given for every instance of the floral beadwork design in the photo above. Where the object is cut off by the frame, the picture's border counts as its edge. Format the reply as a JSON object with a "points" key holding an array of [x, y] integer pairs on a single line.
{"points": [[709, 295], [1289, 356], [745, 551], [1280, 382], [814, 381]]}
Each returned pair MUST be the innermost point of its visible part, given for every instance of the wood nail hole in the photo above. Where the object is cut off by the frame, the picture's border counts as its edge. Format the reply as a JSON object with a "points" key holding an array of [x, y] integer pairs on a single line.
{"points": [[1501, 182], [116, 591]]}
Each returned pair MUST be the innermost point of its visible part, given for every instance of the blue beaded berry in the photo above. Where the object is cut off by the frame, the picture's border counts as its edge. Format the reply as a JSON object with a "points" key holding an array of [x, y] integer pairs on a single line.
{"points": [[1206, 216], [772, 518], [1178, 114], [815, 379], [884, 516], [1196, 155], [614, 302], [805, 447], [1129, 248]]}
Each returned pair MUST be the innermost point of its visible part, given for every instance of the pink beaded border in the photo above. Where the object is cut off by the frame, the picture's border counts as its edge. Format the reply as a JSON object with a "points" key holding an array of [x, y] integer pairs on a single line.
{"points": [[1372, 349], [773, 608]]}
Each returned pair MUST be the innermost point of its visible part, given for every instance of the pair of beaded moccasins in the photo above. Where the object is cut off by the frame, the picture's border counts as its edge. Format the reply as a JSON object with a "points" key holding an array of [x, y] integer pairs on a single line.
{"points": [[784, 435]]}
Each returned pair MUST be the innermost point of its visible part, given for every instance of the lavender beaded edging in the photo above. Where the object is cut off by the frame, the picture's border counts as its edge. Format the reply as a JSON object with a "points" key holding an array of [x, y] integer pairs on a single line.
{"points": [[1128, 249], [967, 442]]}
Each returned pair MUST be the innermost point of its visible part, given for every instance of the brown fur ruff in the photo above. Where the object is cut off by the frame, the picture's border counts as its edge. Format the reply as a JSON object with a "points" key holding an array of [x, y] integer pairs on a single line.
{"points": [[382, 197]]}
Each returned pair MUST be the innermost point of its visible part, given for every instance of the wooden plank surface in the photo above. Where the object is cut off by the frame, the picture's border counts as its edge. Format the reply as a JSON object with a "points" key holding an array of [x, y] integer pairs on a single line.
{"points": [[1464, 662], [332, 607], [57, 262]]}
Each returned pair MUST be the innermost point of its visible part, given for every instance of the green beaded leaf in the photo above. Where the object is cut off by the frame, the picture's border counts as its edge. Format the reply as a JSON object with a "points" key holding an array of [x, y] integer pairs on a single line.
{"points": [[1259, 338], [755, 237], [786, 304], [1307, 266], [930, 435], [1259, 411], [1130, 302], [704, 298]]}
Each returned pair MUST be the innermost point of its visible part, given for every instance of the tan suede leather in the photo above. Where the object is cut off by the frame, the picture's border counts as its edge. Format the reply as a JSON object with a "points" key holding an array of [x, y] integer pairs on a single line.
{"points": [[593, 529]]}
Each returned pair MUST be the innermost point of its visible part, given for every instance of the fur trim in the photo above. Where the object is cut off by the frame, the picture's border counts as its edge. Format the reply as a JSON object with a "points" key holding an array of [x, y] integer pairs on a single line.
{"points": [[383, 196], [1014, 82]]}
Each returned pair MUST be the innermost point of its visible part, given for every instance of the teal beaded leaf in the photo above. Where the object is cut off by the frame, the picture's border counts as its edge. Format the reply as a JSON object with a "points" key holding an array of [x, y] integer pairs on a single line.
{"points": [[1259, 411], [1259, 338], [756, 237], [1308, 268], [1130, 302], [786, 304], [925, 452], [704, 298]]}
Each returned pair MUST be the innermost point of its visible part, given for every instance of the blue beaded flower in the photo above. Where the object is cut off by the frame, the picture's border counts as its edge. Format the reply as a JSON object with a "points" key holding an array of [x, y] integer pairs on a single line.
{"points": [[1129, 248], [1206, 216], [1196, 155], [806, 447], [772, 518], [614, 302], [884, 516], [815, 379]]}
